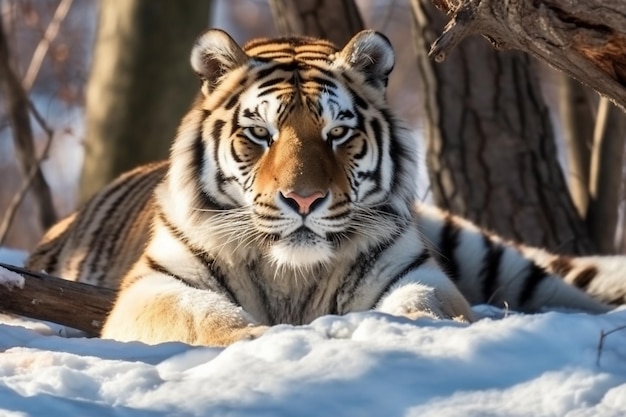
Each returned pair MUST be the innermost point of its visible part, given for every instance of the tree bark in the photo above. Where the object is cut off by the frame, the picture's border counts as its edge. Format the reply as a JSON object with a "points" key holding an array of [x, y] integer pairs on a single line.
{"points": [[586, 39], [140, 84], [335, 20], [491, 152], [44, 297]]}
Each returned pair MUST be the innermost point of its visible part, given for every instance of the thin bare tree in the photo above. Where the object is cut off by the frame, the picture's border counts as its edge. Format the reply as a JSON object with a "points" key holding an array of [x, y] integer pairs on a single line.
{"points": [[19, 109]]}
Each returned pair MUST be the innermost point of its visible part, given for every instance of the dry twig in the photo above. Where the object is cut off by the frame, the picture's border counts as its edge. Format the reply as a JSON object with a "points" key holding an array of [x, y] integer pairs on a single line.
{"points": [[603, 336]]}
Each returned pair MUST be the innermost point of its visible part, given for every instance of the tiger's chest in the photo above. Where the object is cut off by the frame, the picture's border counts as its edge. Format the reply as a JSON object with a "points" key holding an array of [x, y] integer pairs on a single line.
{"points": [[286, 296]]}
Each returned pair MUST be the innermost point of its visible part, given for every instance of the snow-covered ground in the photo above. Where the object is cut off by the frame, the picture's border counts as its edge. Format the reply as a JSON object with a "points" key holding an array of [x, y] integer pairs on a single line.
{"points": [[365, 364]]}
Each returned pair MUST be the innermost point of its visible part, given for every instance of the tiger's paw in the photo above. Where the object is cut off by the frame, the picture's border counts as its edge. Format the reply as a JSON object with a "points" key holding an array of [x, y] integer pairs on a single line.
{"points": [[416, 301], [414, 315], [249, 333], [227, 336]]}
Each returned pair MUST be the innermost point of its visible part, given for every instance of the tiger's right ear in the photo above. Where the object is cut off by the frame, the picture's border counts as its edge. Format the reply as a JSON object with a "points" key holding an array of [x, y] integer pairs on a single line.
{"points": [[213, 55]]}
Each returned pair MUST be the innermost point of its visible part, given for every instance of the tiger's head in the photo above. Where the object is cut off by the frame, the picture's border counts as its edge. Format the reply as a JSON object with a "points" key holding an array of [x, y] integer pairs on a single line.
{"points": [[291, 149]]}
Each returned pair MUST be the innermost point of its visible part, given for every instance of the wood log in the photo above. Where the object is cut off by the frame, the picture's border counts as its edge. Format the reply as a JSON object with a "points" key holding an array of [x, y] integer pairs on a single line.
{"points": [[69, 303], [586, 39]]}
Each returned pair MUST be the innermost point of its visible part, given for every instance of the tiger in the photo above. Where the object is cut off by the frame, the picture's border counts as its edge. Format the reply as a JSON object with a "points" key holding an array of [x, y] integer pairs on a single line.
{"points": [[290, 193]]}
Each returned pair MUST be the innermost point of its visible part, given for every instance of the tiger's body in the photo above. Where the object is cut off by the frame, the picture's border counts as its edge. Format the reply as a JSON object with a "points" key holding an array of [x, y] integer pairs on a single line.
{"points": [[290, 194]]}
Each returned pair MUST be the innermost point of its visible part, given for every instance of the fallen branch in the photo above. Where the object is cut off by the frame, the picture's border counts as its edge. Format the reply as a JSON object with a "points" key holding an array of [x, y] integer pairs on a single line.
{"points": [[44, 297], [586, 39]]}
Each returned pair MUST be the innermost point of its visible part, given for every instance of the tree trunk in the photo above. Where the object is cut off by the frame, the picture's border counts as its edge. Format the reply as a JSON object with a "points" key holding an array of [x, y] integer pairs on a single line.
{"points": [[335, 20], [140, 84], [606, 176], [491, 152]]}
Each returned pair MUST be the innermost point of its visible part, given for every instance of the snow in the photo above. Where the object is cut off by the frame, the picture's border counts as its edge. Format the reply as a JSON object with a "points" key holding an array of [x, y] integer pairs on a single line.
{"points": [[362, 364], [10, 279]]}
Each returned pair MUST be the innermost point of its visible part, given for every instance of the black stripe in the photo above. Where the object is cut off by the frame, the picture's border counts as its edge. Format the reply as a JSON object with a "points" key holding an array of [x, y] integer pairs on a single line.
{"points": [[362, 265], [279, 88], [49, 252], [584, 277], [399, 155], [220, 179], [324, 82], [415, 264], [130, 186], [232, 101], [287, 67], [256, 280], [375, 174], [199, 149], [488, 274], [562, 265], [154, 265], [271, 82], [361, 153], [134, 205], [95, 203], [203, 200], [204, 258], [217, 274], [449, 242], [536, 275], [172, 229], [358, 100]]}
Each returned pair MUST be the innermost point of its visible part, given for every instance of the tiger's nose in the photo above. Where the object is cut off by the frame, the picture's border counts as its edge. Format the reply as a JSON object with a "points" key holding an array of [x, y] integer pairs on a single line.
{"points": [[303, 204]]}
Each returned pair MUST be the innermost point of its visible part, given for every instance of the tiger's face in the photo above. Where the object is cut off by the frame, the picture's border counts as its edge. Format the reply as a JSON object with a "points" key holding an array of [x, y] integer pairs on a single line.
{"points": [[298, 146]]}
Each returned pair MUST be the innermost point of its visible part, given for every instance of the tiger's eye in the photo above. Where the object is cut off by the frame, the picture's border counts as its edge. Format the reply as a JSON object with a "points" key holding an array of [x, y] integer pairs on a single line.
{"points": [[260, 132], [337, 132]]}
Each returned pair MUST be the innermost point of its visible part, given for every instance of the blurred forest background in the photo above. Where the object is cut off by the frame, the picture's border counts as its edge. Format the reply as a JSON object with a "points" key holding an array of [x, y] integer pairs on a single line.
{"points": [[100, 86]]}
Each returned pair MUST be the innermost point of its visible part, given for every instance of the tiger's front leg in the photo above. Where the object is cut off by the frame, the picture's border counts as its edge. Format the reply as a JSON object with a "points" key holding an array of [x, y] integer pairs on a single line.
{"points": [[426, 292], [158, 308]]}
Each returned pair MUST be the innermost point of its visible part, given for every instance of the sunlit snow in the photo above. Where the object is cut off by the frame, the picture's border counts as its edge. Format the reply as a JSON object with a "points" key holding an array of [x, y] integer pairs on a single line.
{"points": [[364, 364]]}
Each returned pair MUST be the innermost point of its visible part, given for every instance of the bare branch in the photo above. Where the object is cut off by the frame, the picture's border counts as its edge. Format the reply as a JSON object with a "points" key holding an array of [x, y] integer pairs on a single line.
{"points": [[44, 44], [17, 199], [583, 38], [18, 112]]}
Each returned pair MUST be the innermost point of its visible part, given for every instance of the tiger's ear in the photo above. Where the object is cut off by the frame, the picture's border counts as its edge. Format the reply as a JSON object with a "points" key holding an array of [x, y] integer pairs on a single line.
{"points": [[213, 55], [370, 53]]}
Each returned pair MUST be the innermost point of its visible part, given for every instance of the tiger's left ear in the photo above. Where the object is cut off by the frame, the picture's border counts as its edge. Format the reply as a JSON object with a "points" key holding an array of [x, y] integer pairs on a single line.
{"points": [[370, 53], [213, 55]]}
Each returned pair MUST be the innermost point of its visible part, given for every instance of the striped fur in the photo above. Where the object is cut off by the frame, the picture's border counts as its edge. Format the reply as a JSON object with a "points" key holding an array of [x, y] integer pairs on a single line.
{"points": [[289, 194]]}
